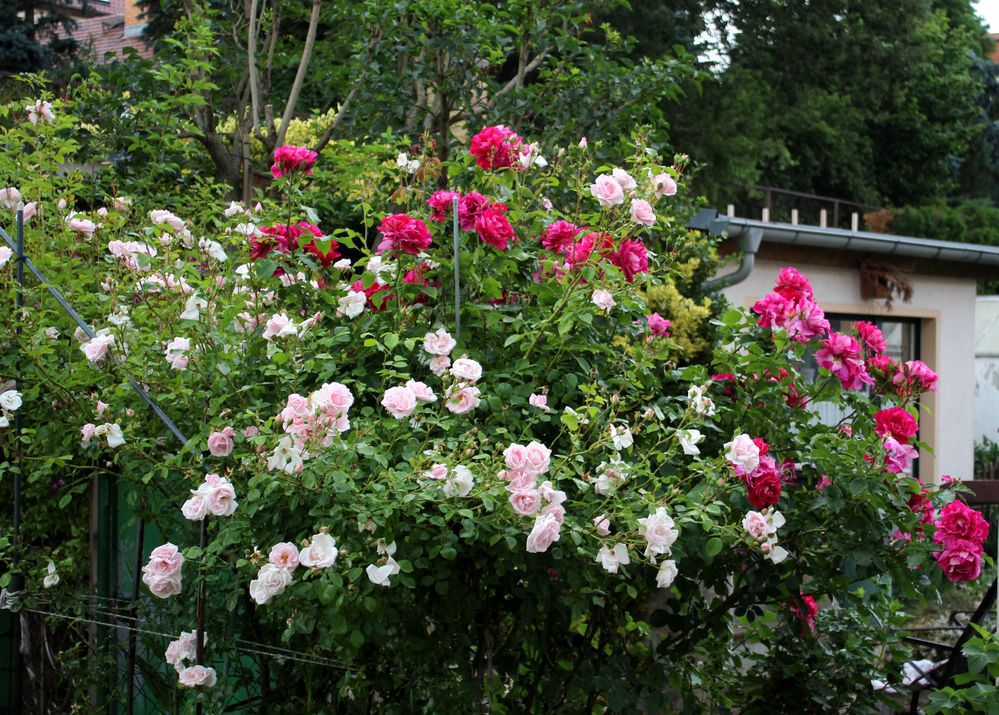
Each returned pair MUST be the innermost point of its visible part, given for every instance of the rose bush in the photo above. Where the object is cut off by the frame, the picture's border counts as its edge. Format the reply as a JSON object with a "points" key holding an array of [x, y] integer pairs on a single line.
{"points": [[548, 509]]}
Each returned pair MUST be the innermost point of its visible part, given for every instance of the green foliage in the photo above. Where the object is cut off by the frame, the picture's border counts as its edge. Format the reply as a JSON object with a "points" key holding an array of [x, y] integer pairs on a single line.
{"points": [[978, 689]]}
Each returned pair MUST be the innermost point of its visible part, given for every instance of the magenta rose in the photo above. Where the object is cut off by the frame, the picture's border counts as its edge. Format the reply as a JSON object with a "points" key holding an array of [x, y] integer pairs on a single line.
{"points": [[895, 422], [959, 521], [494, 228], [496, 148], [961, 560], [631, 257], [291, 160], [764, 489], [403, 234]]}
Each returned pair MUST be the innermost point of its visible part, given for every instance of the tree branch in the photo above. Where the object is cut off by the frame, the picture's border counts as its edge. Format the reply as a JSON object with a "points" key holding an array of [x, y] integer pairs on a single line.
{"points": [[251, 62], [518, 81], [303, 66]]}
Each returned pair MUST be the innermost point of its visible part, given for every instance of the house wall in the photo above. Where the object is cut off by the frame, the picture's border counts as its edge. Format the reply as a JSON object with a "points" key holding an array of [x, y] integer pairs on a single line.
{"points": [[945, 307], [987, 368]]}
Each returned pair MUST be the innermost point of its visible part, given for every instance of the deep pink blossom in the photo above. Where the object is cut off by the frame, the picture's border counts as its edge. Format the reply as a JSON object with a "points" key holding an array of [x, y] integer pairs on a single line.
{"points": [[792, 285], [840, 355], [441, 202], [496, 147], [895, 422], [403, 234], [494, 228], [292, 159], [631, 257], [658, 325], [959, 521], [560, 235], [871, 336]]}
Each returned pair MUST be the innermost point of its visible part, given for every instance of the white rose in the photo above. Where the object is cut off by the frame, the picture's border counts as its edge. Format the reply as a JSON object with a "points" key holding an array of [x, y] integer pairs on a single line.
{"points": [[271, 581], [319, 554], [460, 483], [667, 573], [10, 400], [465, 369]]}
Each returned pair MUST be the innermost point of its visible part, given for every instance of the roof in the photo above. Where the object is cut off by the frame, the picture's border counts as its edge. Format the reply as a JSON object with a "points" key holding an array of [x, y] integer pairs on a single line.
{"points": [[845, 240]]}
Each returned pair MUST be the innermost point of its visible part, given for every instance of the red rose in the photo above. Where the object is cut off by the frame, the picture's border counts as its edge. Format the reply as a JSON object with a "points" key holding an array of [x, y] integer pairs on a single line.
{"points": [[764, 489], [895, 422], [441, 202], [403, 234], [470, 206], [292, 159], [560, 235], [792, 285], [494, 228]]}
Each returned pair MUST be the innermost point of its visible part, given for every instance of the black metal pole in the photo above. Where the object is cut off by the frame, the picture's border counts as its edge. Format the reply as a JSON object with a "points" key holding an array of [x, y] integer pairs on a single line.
{"points": [[200, 635], [133, 599], [16, 688]]}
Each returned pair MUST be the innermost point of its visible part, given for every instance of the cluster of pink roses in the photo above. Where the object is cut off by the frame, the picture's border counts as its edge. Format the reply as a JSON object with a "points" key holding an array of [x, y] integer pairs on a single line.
{"points": [[611, 189], [576, 244], [402, 401], [524, 464], [961, 531], [185, 649], [126, 252], [896, 427], [475, 213], [762, 528], [321, 416], [290, 159], [792, 306], [276, 575], [216, 495], [497, 147], [162, 574]]}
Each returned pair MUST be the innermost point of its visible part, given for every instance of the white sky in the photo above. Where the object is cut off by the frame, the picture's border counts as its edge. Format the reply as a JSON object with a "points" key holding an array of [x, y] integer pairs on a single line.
{"points": [[989, 11]]}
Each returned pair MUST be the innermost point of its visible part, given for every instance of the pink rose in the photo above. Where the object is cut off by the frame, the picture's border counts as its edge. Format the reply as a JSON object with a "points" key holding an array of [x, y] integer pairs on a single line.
{"points": [[961, 560], [539, 401], [220, 444], [663, 185], [519, 479], [743, 452], [439, 364], [422, 391], [545, 532], [97, 348], [284, 556], [959, 521], [659, 531], [87, 433], [403, 234], [538, 457], [437, 471], [82, 225], [467, 370], [550, 494], [556, 510], [320, 553], [219, 495], [162, 574], [400, 402], [658, 325], [195, 508], [756, 525], [515, 457], [607, 192], [271, 581], [841, 355], [441, 202], [601, 524], [495, 147], [624, 179], [560, 235], [197, 675], [438, 343], [292, 160], [631, 257], [494, 228], [525, 502], [603, 300], [642, 213], [463, 400]]}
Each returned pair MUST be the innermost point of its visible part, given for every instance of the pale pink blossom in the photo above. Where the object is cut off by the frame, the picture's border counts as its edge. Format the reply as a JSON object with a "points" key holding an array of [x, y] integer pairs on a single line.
{"points": [[184, 648], [81, 225], [611, 559], [550, 494], [321, 552], [196, 676], [284, 556], [399, 401], [667, 574], [625, 179], [540, 401], [659, 531], [460, 482], [467, 370], [97, 348], [642, 213], [30, 209], [603, 300], [743, 452], [220, 444], [381, 575], [176, 353], [195, 508], [439, 342], [87, 434], [162, 573], [10, 198], [422, 391], [601, 524], [664, 185], [439, 364], [437, 471], [755, 525], [5, 255], [515, 457], [278, 326], [271, 581], [538, 457], [463, 400], [607, 191], [545, 532], [219, 495], [40, 111], [525, 502]]}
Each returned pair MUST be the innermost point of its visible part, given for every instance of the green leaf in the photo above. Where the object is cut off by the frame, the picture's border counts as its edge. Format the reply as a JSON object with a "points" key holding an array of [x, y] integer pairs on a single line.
{"points": [[713, 547], [265, 268], [390, 340]]}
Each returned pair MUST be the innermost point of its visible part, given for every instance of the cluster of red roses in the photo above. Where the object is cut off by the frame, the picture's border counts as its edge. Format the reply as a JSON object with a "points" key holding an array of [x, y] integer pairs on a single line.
{"points": [[577, 243], [475, 213], [286, 240]]}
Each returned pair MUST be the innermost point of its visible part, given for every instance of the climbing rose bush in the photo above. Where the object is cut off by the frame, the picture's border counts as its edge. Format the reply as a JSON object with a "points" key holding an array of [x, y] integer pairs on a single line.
{"points": [[525, 499]]}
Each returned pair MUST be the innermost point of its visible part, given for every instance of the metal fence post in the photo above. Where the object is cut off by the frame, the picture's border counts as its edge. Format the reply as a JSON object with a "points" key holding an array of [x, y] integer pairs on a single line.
{"points": [[17, 666], [457, 274]]}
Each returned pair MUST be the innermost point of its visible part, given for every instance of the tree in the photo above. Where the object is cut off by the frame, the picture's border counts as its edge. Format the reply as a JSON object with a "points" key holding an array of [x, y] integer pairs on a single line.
{"points": [[29, 33]]}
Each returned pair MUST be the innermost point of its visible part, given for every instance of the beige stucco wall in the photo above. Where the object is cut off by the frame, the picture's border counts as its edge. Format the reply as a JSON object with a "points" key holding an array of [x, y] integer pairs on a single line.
{"points": [[946, 308]]}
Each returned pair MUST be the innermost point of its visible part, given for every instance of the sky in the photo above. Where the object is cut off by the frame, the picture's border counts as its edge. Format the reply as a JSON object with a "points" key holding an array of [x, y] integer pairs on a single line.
{"points": [[989, 11]]}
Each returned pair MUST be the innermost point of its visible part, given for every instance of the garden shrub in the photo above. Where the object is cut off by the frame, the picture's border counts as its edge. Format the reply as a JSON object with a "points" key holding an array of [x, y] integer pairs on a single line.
{"points": [[537, 511]]}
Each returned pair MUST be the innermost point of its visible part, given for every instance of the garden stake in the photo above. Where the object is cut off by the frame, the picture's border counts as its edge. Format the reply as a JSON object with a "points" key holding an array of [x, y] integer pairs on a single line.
{"points": [[132, 635], [199, 639], [18, 580], [457, 274]]}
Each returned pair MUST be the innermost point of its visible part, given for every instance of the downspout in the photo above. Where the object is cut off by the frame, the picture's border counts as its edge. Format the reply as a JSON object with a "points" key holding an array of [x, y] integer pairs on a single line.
{"points": [[747, 240]]}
